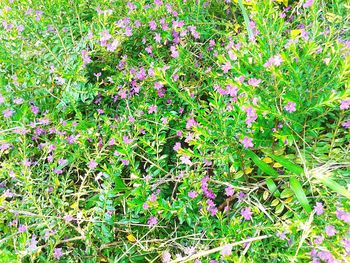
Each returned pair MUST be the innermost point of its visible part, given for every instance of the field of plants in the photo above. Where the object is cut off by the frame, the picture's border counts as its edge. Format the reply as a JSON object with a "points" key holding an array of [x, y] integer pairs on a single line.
{"points": [[174, 131]]}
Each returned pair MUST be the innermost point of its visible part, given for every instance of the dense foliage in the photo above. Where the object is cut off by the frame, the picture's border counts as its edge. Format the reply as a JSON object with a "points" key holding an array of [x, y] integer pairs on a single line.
{"points": [[174, 131]]}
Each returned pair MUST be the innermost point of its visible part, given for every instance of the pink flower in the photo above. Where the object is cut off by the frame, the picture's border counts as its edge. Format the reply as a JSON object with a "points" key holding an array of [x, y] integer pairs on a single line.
{"points": [[125, 162], [22, 228], [192, 194], [85, 56], [319, 208], [290, 107], [7, 113], [345, 104], [254, 82], [92, 164], [127, 140], [152, 221], [247, 142], [330, 230], [186, 160], [347, 245], [57, 253], [229, 191], [308, 3], [346, 124], [153, 25], [226, 67], [166, 257], [246, 213], [177, 146], [226, 250], [152, 109], [174, 52], [68, 218], [190, 123]]}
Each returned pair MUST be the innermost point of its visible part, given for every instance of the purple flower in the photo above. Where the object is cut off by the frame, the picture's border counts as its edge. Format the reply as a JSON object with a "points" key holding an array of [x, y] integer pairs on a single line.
{"points": [[7, 113], [157, 38], [174, 52], [247, 142], [22, 228], [192, 194], [186, 160], [226, 250], [229, 191], [318, 240], [190, 123], [57, 253], [226, 67], [92, 164], [166, 257], [246, 213], [177, 146], [345, 104], [152, 109], [68, 218], [152, 25], [152, 221], [127, 140], [32, 244], [326, 256], [308, 3], [330, 230], [254, 82], [347, 245], [342, 215], [346, 124], [290, 107], [318, 208], [125, 162]]}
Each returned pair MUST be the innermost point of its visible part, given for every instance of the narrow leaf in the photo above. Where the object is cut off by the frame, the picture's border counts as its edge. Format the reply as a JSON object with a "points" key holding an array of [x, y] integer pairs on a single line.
{"points": [[299, 193], [334, 186], [262, 165], [296, 169]]}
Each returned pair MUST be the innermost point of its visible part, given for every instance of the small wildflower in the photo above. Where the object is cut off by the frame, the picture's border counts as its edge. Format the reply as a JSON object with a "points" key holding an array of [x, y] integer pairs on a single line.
{"points": [[330, 230], [318, 208], [290, 107], [226, 250], [192, 194], [308, 3], [92, 164], [152, 109], [166, 257], [57, 253], [247, 142], [345, 104], [254, 82], [186, 160], [177, 146], [152, 221], [7, 113], [246, 213], [22, 228], [229, 191]]}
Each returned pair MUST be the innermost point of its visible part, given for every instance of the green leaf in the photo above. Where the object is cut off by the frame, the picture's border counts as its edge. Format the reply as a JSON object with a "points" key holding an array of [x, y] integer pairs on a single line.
{"points": [[296, 169], [263, 166], [287, 193], [334, 186], [272, 187], [299, 193]]}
